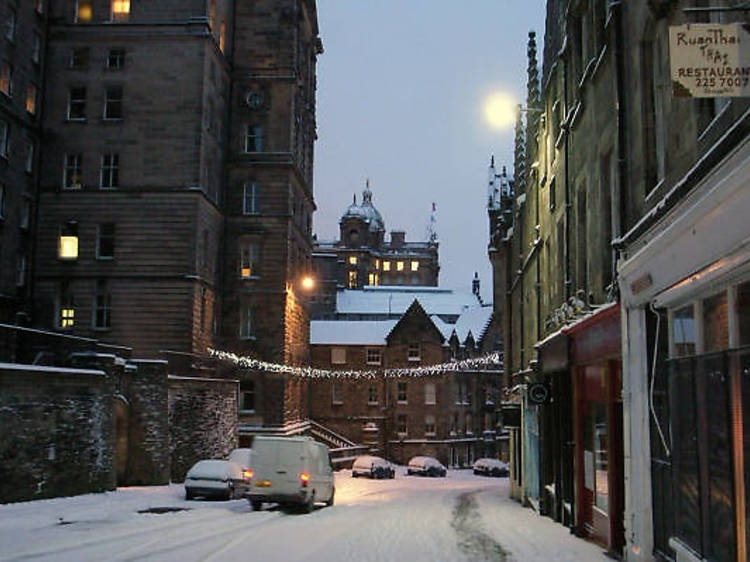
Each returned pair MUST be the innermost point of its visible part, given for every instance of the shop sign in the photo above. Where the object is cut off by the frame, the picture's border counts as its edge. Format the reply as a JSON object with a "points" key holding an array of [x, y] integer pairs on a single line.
{"points": [[710, 60]]}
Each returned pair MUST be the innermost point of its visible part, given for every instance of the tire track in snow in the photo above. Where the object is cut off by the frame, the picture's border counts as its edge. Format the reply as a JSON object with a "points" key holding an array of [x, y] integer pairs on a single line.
{"points": [[476, 544]]}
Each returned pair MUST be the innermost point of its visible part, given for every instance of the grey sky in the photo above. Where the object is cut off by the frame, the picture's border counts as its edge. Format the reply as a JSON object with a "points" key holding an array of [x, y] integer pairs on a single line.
{"points": [[400, 92]]}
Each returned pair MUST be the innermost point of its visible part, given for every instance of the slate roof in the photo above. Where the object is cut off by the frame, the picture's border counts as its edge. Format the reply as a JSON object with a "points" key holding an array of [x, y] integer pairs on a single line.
{"points": [[475, 320], [350, 332], [397, 299]]}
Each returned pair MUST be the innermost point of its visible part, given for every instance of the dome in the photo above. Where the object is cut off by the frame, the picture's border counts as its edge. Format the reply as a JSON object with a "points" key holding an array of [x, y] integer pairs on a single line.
{"points": [[354, 211], [366, 211]]}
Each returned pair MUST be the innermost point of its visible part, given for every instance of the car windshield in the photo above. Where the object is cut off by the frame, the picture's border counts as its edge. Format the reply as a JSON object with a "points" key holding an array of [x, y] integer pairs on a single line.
{"points": [[209, 469]]}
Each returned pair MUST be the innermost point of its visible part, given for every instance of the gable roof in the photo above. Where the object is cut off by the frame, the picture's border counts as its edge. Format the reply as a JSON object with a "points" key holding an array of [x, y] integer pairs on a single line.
{"points": [[474, 321], [415, 311], [350, 332]]}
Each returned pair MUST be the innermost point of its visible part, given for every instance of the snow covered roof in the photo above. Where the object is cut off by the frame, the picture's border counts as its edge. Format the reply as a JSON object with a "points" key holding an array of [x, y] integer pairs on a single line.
{"points": [[350, 332], [474, 320], [397, 299], [445, 328]]}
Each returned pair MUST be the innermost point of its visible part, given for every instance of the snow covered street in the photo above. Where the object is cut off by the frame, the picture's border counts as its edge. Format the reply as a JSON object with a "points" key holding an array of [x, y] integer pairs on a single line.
{"points": [[461, 517]]}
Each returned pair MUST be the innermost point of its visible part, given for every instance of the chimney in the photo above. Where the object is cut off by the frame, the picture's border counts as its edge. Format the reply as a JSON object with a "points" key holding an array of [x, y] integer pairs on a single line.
{"points": [[398, 238]]}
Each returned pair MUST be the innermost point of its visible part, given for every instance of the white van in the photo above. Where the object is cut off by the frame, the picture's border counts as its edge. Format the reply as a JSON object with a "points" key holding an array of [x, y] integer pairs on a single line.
{"points": [[244, 458], [290, 471]]}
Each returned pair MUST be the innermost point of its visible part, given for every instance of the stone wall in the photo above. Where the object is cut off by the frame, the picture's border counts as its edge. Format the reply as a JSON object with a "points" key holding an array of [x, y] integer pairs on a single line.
{"points": [[202, 421], [56, 432]]}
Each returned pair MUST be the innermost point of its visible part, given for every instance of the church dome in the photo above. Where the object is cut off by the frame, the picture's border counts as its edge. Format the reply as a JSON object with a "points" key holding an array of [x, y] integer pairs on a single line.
{"points": [[366, 211]]}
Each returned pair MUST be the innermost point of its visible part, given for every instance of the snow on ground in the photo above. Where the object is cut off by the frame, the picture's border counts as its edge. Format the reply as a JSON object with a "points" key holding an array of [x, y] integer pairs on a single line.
{"points": [[459, 518]]}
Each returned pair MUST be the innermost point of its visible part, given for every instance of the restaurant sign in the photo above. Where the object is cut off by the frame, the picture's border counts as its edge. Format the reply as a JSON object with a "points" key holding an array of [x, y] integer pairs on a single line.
{"points": [[710, 60]]}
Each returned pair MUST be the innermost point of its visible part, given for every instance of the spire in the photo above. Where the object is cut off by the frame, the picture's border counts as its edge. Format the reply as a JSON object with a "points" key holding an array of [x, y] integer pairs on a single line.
{"points": [[492, 161], [519, 154], [354, 199], [367, 194], [532, 88], [432, 236], [475, 286]]}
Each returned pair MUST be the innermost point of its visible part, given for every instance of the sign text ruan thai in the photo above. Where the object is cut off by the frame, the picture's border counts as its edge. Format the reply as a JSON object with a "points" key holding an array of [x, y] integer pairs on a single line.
{"points": [[710, 60]]}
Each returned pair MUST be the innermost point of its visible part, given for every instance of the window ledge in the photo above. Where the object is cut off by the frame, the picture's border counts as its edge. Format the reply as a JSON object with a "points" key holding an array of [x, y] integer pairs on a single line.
{"points": [[248, 338], [372, 403], [98, 329], [337, 402], [251, 278], [112, 119], [76, 119], [246, 412], [403, 402]]}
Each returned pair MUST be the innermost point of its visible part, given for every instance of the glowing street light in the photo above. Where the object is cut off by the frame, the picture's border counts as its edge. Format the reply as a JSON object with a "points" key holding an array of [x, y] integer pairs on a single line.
{"points": [[499, 110], [308, 282]]}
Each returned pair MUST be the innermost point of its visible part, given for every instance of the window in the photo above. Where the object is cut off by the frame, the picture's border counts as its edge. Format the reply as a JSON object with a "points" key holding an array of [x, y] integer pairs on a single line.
{"points": [[25, 221], [10, 25], [247, 397], [73, 172], [2, 201], [67, 309], [469, 428], [386, 266], [67, 248], [429, 425], [401, 392], [36, 48], [4, 139], [373, 356], [6, 78], [399, 266], [105, 241], [29, 160], [552, 194], [102, 306], [247, 328], [84, 11], [415, 266], [113, 103], [249, 260], [77, 103], [352, 282], [31, 98], [352, 260], [120, 10], [110, 174], [212, 14], [683, 332], [373, 279], [336, 394], [401, 424], [430, 394], [39, 6], [21, 269], [413, 352], [251, 199], [79, 59], [222, 36], [372, 394], [338, 355], [253, 138], [116, 59]]}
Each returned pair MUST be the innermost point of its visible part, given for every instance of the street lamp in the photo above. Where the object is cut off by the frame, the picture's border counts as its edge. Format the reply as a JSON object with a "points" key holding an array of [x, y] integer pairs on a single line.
{"points": [[308, 282]]}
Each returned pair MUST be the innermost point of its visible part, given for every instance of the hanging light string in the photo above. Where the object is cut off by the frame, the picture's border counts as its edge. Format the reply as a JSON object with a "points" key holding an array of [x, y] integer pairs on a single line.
{"points": [[490, 360]]}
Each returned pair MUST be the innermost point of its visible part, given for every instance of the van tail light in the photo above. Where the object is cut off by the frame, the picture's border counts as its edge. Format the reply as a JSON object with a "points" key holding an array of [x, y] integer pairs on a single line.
{"points": [[304, 479], [247, 474]]}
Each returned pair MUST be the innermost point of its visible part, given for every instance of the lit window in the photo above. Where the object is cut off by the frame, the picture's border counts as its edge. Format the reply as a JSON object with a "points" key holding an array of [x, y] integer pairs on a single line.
{"points": [[6, 78], [401, 424], [73, 173], [102, 306], [10, 25], [377, 264], [353, 260], [429, 425], [399, 266], [413, 353], [116, 59], [373, 356], [67, 316], [251, 199], [68, 243], [249, 258], [372, 279], [415, 266], [66, 312], [386, 266], [338, 355], [336, 395], [36, 48], [372, 394], [110, 173], [401, 392], [247, 396], [429, 393], [120, 10], [105, 241], [4, 139], [113, 103], [84, 11], [253, 138], [352, 279], [247, 328], [222, 36], [77, 103], [31, 98]]}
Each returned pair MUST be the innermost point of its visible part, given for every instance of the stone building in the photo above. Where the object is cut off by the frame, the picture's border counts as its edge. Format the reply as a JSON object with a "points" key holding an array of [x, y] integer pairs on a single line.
{"points": [[176, 189], [624, 270], [363, 257], [22, 61]]}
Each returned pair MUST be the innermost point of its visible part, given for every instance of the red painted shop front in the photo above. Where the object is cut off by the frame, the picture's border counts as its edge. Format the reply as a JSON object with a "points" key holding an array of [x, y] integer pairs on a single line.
{"points": [[596, 365]]}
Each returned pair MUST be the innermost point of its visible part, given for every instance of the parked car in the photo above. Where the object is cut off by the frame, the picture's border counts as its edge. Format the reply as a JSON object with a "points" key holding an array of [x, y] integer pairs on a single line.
{"points": [[490, 467], [291, 471], [244, 458], [426, 466], [374, 467], [216, 479]]}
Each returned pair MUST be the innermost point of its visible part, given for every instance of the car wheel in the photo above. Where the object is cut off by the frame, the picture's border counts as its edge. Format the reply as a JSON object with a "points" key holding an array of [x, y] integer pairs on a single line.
{"points": [[189, 495], [256, 505], [329, 503], [309, 505], [354, 474]]}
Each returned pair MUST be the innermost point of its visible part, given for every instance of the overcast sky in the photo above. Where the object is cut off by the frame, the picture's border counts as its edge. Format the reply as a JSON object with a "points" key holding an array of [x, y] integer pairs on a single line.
{"points": [[401, 87]]}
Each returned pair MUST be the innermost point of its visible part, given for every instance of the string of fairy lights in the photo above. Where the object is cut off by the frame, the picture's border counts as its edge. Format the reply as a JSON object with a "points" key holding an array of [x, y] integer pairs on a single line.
{"points": [[489, 361]]}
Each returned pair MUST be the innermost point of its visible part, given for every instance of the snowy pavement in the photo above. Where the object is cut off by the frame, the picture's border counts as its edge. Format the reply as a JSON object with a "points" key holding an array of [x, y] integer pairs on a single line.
{"points": [[459, 518]]}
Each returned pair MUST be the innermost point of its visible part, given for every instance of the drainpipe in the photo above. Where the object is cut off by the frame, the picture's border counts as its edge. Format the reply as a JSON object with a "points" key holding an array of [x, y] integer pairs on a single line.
{"points": [[566, 178]]}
